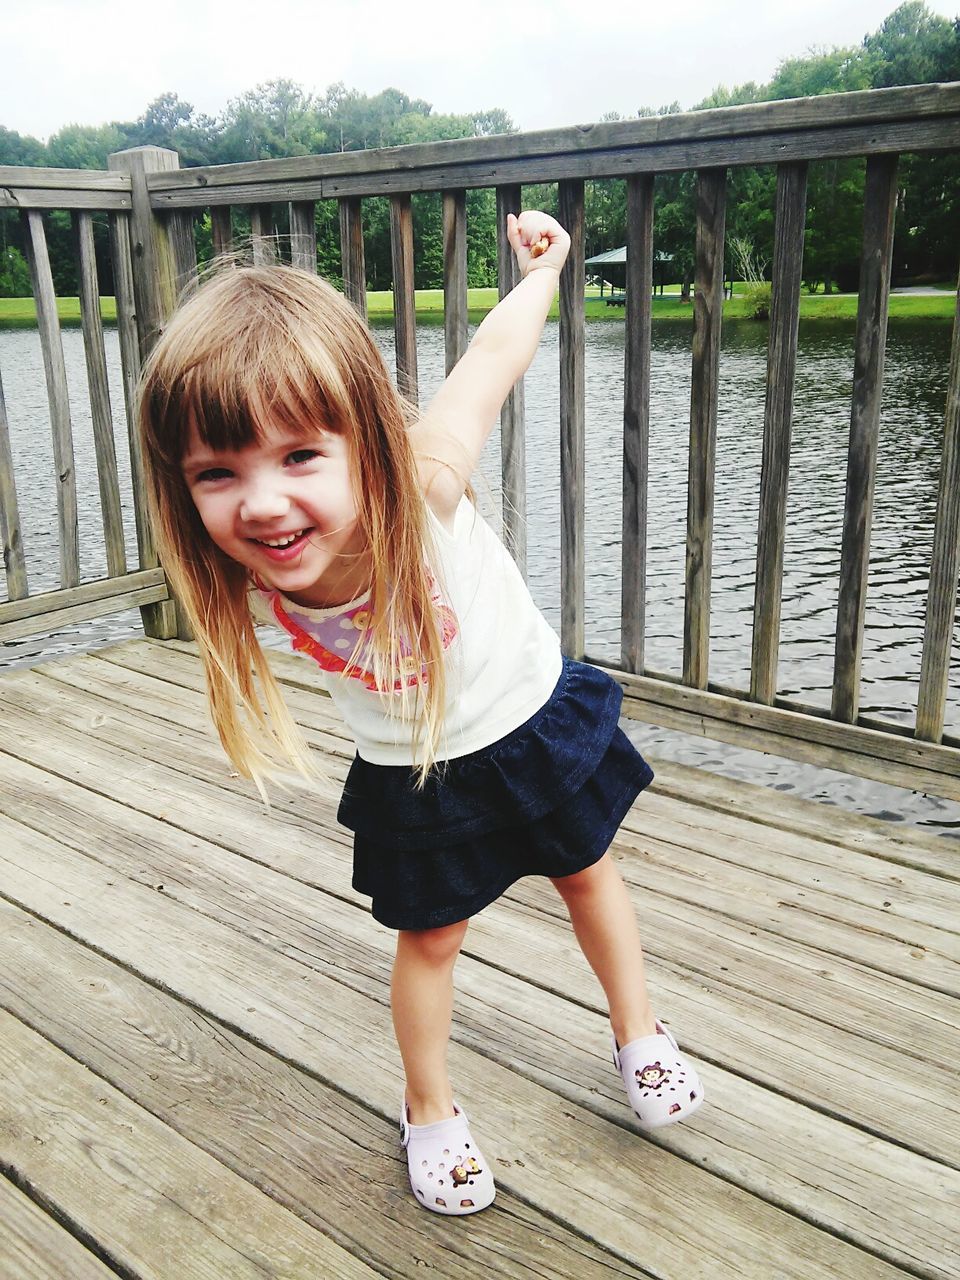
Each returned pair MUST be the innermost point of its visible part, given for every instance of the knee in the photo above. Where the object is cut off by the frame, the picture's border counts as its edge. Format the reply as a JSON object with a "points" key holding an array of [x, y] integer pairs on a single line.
{"points": [[434, 946], [582, 883]]}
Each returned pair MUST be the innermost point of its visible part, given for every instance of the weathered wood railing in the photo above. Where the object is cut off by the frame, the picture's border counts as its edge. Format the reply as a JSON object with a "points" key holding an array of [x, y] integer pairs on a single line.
{"points": [[152, 203]]}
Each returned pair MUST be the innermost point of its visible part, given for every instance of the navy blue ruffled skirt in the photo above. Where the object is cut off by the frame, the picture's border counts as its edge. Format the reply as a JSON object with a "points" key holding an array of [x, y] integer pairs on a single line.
{"points": [[546, 800]]}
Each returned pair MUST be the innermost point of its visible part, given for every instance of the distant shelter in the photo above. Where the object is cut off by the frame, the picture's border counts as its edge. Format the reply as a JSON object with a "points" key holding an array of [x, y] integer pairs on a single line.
{"points": [[611, 269]]}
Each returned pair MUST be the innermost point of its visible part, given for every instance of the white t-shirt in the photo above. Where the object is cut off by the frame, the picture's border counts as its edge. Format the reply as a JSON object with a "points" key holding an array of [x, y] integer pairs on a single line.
{"points": [[502, 657]]}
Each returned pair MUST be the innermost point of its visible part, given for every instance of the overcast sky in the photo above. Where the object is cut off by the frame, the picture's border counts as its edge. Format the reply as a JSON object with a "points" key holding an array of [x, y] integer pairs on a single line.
{"points": [[556, 62]]}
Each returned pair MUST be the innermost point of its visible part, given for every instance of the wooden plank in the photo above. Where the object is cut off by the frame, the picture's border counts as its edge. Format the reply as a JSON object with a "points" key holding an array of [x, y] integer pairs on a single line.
{"points": [[77, 1139], [404, 302], [101, 589], [707, 315], [773, 148], [454, 276], [636, 418], [572, 424], [13, 561], [184, 249], [350, 1152], [56, 619], [303, 235], [944, 564], [879, 213], [824, 114], [62, 181], [24, 198], [178, 863], [513, 443], [351, 253], [262, 236], [777, 424], [48, 322], [261, 1004], [221, 230], [768, 810], [101, 414], [903, 895], [34, 1246]]}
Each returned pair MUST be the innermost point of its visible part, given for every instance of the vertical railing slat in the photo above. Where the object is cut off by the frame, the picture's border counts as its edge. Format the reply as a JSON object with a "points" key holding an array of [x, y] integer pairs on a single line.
{"points": [[940, 622], [707, 317], [56, 375], [101, 414], [777, 424], [572, 423], [404, 298], [454, 276], [13, 560], [351, 253], [880, 198], [636, 418], [180, 232], [303, 235], [261, 234], [123, 285], [221, 230], [513, 445]]}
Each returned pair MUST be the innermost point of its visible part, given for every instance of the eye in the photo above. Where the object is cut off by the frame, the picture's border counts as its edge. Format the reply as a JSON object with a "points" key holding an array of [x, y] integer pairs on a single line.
{"points": [[211, 474], [299, 456]]}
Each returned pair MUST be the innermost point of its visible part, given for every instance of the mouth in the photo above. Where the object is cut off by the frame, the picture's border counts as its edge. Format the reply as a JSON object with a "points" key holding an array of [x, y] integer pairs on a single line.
{"points": [[285, 545]]}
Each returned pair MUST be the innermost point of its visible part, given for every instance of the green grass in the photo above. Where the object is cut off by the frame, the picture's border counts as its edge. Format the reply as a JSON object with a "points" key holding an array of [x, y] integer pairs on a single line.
{"points": [[20, 312]]}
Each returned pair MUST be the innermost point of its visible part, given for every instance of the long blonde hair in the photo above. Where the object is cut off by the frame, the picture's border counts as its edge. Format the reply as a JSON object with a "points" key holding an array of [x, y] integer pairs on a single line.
{"points": [[254, 348]]}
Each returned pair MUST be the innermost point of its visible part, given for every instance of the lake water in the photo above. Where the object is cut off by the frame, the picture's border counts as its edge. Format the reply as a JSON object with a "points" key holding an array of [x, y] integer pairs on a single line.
{"points": [[910, 443]]}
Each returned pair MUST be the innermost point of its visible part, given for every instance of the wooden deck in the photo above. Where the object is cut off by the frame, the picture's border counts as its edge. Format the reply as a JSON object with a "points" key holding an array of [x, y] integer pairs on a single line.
{"points": [[199, 1076]]}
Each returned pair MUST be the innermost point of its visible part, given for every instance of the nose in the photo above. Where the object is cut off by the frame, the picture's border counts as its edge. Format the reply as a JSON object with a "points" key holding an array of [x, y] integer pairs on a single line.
{"points": [[263, 500]]}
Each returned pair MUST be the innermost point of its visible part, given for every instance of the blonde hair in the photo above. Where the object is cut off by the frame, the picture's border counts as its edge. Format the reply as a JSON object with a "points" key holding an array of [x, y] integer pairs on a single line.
{"points": [[257, 347]]}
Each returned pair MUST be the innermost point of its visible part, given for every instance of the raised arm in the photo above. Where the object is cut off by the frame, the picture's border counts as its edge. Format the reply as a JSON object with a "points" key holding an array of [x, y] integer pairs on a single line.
{"points": [[449, 437]]}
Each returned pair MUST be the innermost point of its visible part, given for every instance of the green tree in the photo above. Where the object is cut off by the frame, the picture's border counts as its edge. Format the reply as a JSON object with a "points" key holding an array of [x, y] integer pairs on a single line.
{"points": [[912, 46], [14, 274], [275, 119], [82, 146]]}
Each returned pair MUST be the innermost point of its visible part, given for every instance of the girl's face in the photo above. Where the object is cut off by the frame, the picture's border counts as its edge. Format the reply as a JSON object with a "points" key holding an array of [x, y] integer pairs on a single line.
{"points": [[284, 508]]}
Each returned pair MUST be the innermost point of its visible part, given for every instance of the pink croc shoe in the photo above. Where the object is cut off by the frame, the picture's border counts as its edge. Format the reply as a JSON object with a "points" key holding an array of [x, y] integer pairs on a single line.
{"points": [[448, 1172], [662, 1084]]}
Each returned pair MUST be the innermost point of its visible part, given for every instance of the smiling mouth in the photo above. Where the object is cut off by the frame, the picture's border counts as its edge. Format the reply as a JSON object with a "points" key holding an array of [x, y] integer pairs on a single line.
{"points": [[285, 542]]}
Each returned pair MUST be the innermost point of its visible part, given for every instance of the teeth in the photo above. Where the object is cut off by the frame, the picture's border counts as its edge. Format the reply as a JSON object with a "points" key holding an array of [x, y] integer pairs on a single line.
{"points": [[281, 542]]}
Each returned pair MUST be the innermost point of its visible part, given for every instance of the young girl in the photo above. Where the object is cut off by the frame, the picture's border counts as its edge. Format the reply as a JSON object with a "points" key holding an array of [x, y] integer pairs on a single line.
{"points": [[286, 474]]}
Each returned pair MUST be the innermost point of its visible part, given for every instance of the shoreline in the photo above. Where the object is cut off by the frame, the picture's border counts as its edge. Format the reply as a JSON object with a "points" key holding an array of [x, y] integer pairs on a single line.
{"points": [[20, 313]]}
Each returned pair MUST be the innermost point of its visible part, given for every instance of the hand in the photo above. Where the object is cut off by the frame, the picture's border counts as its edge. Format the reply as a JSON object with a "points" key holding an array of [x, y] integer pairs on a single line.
{"points": [[538, 241]]}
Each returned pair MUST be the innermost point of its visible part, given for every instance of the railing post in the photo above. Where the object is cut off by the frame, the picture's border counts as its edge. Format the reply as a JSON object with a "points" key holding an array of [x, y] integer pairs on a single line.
{"points": [[154, 270]]}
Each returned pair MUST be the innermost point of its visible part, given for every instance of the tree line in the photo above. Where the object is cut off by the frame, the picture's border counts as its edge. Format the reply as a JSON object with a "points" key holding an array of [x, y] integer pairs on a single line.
{"points": [[280, 118]]}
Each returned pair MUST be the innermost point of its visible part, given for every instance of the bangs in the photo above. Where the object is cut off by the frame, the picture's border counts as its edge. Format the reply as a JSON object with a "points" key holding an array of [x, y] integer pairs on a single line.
{"points": [[247, 408]]}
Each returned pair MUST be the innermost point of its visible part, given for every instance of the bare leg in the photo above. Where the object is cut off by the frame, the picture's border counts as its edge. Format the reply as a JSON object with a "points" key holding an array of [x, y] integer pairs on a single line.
{"points": [[606, 927], [421, 997]]}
